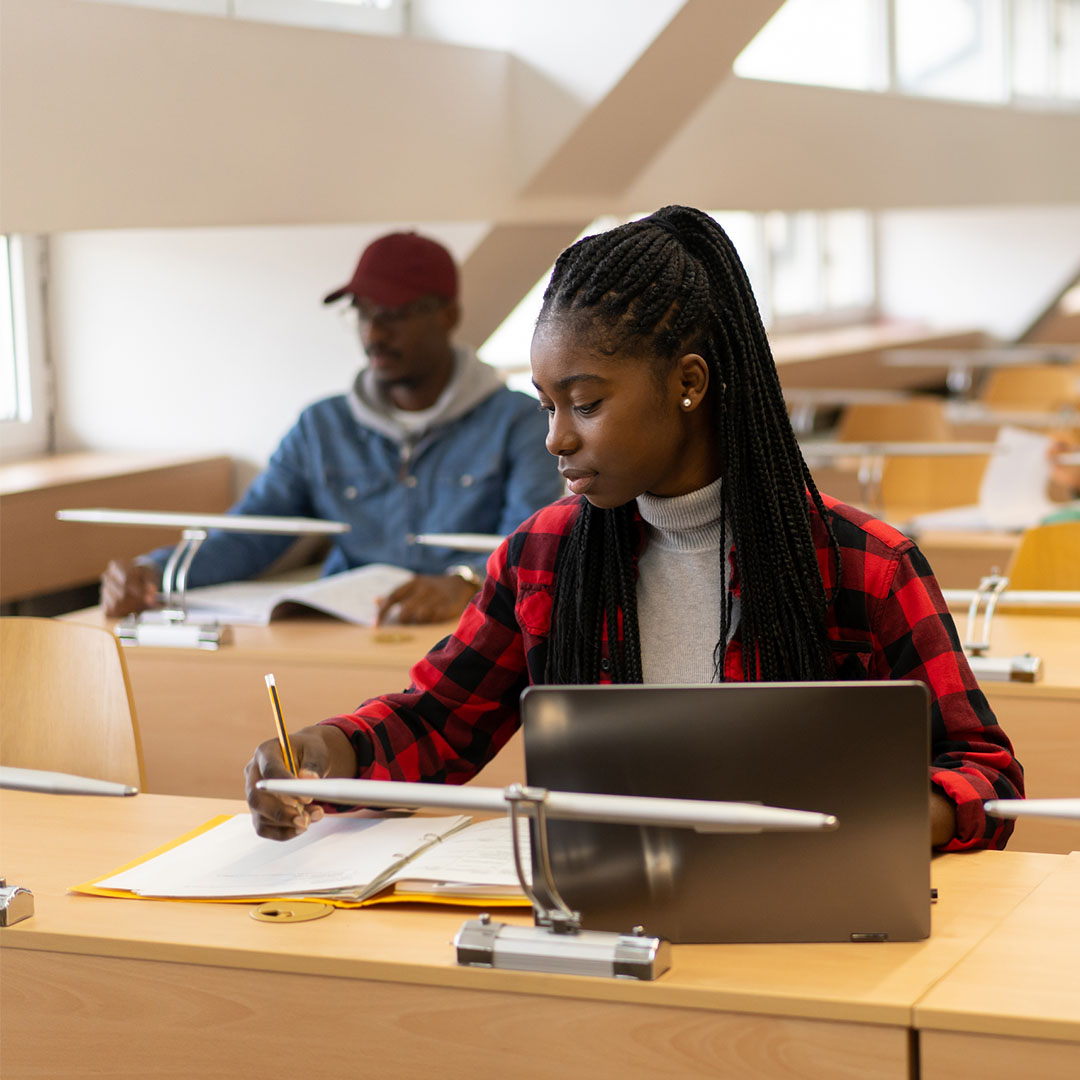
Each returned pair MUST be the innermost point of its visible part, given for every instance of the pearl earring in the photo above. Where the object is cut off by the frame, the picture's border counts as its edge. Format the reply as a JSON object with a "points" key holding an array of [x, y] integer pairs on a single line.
{"points": [[686, 403]]}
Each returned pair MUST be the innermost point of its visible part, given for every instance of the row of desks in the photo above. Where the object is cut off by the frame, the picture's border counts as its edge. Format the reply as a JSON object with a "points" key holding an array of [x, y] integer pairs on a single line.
{"points": [[99, 987], [201, 714]]}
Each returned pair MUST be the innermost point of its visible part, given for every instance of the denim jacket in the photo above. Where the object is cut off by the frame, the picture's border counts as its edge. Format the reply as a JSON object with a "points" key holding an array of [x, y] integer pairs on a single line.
{"points": [[480, 466]]}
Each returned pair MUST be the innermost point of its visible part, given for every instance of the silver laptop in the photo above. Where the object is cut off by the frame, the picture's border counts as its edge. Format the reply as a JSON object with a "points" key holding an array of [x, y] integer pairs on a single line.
{"points": [[859, 750]]}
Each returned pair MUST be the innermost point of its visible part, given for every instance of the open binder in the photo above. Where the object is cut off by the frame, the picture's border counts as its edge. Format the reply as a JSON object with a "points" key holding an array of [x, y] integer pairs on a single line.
{"points": [[346, 861]]}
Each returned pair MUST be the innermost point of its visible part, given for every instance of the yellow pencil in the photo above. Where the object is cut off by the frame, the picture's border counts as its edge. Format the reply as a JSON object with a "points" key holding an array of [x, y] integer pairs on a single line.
{"points": [[279, 721]]}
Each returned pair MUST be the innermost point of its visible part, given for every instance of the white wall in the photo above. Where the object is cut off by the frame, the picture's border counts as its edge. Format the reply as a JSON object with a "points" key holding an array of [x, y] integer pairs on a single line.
{"points": [[995, 268], [203, 340], [117, 116]]}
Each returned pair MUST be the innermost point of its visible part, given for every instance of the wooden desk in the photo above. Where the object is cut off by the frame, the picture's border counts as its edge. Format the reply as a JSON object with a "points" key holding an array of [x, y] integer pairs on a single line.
{"points": [[1011, 1007], [851, 356], [1043, 718], [960, 560], [201, 714], [188, 989], [39, 554]]}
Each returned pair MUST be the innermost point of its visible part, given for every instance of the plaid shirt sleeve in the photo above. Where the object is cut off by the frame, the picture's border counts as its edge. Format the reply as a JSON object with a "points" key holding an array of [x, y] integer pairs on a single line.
{"points": [[971, 758], [462, 706]]}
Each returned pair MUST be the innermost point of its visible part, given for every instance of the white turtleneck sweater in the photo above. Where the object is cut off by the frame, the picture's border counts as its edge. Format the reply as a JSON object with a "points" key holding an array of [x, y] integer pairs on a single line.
{"points": [[681, 586]]}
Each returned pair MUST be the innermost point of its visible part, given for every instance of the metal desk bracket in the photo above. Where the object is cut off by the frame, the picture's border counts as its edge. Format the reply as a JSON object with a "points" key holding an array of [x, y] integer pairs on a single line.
{"points": [[990, 588], [169, 626], [871, 470], [557, 943], [16, 903], [1024, 668]]}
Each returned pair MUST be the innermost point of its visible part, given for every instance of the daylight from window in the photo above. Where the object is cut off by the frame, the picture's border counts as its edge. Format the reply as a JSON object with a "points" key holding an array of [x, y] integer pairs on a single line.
{"points": [[9, 370], [989, 51]]}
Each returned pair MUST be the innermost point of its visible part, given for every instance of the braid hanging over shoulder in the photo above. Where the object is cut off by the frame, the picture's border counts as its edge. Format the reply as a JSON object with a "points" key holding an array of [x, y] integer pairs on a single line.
{"points": [[663, 286]]}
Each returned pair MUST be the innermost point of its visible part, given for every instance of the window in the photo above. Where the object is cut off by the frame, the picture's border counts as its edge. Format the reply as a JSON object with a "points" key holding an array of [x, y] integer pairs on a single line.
{"points": [[819, 267], [951, 48], [807, 269], [24, 405], [1046, 49], [10, 405], [823, 42], [966, 50]]}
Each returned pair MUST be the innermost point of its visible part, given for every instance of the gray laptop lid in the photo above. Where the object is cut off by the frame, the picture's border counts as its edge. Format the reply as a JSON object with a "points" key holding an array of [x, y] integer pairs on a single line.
{"points": [[858, 750]]}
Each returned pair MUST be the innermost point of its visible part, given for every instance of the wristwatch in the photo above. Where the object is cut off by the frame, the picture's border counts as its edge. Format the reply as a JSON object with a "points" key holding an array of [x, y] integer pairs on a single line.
{"points": [[466, 572]]}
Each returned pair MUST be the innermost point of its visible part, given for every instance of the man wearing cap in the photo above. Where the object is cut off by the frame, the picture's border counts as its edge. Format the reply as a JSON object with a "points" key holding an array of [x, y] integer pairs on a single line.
{"points": [[428, 439]]}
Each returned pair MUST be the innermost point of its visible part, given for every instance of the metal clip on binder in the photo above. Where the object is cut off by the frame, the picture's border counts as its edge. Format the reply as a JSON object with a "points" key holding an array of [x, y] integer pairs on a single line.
{"points": [[1025, 668], [558, 943]]}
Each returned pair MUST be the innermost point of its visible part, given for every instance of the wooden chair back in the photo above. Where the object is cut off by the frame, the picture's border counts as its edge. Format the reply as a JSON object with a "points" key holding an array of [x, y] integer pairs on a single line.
{"points": [[1036, 387], [922, 482], [1048, 557], [919, 419], [66, 701]]}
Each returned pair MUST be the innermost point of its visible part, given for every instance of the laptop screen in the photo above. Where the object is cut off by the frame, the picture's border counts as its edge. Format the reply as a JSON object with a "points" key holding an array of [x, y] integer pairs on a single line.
{"points": [[858, 750]]}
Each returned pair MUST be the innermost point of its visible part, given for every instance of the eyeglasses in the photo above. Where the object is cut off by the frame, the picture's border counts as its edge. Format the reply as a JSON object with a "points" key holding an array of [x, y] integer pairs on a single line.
{"points": [[363, 313]]}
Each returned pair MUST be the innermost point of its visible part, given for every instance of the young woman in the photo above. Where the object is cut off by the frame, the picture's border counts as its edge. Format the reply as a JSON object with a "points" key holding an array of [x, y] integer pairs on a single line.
{"points": [[695, 546]]}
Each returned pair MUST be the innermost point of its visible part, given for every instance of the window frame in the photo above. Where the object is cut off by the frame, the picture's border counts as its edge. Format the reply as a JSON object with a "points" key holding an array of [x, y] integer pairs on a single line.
{"points": [[32, 433]]}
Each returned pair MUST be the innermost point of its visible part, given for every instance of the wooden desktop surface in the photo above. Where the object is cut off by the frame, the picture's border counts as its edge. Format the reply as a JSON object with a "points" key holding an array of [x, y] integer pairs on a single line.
{"points": [[1011, 1007], [189, 989]]}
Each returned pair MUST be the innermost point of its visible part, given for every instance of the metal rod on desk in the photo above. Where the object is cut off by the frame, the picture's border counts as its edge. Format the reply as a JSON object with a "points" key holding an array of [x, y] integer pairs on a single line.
{"points": [[1010, 356], [1064, 598], [699, 814]]}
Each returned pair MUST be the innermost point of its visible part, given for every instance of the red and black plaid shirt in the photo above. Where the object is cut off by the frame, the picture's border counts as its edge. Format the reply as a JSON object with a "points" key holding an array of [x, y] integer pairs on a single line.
{"points": [[888, 621]]}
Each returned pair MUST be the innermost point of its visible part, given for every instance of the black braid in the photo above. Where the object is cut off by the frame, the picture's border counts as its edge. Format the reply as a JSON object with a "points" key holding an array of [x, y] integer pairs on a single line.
{"points": [[666, 285]]}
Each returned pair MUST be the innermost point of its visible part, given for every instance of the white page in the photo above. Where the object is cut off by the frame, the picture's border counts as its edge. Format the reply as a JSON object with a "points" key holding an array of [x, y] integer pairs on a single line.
{"points": [[350, 595], [1013, 489], [230, 860], [481, 855], [952, 519], [245, 603]]}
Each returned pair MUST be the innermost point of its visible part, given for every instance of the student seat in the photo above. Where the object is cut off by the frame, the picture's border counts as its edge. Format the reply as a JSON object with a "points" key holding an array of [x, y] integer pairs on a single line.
{"points": [[918, 419], [923, 482], [66, 704], [1048, 557], [1032, 387]]}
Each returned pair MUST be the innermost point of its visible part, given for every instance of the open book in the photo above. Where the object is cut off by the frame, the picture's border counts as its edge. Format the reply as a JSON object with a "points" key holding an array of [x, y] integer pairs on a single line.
{"points": [[347, 860], [350, 595]]}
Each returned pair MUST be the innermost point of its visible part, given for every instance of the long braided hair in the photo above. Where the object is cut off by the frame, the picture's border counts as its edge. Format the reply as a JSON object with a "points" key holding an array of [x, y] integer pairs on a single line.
{"points": [[661, 287]]}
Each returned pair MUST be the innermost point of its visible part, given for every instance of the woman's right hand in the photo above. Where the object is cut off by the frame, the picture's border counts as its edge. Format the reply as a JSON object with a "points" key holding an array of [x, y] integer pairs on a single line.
{"points": [[321, 750]]}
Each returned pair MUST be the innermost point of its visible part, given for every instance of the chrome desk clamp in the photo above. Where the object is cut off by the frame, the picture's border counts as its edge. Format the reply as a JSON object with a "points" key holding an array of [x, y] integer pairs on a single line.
{"points": [[1023, 668], [871, 470], [557, 943], [990, 588], [170, 625], [16, 903], [174, 576]]}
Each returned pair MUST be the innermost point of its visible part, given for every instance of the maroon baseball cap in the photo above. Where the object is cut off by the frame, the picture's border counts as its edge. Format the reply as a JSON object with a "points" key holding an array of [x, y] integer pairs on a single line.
{"points": [[401, 267]]}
